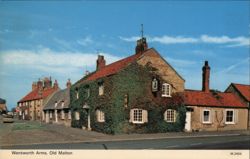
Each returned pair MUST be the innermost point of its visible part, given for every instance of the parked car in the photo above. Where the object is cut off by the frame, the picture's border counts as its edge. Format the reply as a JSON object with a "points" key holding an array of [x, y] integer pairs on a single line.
{"points": [[8, 118]]}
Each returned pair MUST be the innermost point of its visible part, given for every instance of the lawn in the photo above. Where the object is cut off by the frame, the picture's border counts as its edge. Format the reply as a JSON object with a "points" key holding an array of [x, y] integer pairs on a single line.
{"points": [[27, 126]]}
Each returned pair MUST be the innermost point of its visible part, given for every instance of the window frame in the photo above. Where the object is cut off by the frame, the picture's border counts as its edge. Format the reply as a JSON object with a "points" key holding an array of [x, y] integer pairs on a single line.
{"points": [[209, 116], [166, 93], [136, 115], [172, 118], [233, 116], [100, 116], [101, 89]]}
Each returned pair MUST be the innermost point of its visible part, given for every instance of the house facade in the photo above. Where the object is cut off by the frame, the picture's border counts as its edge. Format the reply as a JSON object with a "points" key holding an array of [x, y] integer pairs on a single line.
{"points": [[56, 108], [141, 93], [30, 106], [243, 92], [209, 110]]}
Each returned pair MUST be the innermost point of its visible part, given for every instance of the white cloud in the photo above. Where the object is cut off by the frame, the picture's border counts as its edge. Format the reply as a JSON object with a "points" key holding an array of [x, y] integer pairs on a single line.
{"points": [[233, 66], [180, 62], [231, 42], [173, 40], [237, 41], [47, 60], [86, 41]]}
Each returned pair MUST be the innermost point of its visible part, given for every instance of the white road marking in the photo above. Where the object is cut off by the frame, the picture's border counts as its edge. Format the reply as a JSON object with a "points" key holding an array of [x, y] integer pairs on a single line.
{"points": [[195, 144], [172, 146]]}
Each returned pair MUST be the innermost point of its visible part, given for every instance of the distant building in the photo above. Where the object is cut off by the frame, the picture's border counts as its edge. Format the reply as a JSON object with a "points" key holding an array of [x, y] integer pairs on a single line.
{"points": [[56, 108], [210, 110], [3, 107], [30, 106], [243, 92], [140, 93]]}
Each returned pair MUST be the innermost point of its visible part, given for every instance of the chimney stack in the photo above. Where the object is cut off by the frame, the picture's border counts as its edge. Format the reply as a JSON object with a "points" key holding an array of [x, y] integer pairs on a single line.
{"points": [[205, 77], [34, 86], [39, 84], [55, 85], [141, 46], [100, 62], [68, 84]]}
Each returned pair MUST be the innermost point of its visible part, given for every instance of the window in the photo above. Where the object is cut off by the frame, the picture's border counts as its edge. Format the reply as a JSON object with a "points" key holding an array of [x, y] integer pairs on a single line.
{"points": [[126, 100], [50, 114], [170, 115], [100, 116], [154, 85], [166, 89], [56, 104], [77, 115], [138, 116], [229, 116], [206, 116], [62, 114], [101, 89], [77, 93], [69, 115]]}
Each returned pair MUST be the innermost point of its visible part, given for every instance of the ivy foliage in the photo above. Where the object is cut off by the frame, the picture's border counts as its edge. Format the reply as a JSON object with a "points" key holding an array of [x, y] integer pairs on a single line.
{"points": [[135, 82]]}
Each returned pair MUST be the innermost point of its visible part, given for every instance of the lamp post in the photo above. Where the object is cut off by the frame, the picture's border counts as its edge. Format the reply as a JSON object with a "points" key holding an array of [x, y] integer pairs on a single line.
{"points": [[86, 107]]}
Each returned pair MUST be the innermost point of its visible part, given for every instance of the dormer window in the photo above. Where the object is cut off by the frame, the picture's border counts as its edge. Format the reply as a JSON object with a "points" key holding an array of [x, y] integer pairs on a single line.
{"points": [[101, 89], [154, 85], [166, 90]]}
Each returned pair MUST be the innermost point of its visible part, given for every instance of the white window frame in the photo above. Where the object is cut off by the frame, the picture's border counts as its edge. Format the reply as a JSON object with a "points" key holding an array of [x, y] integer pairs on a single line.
{"points": [[101, 89], [166, 93], [77, 115], [62, 114], [136, 116], [69, 115], [209, 116], [233, 117], [100, 116], [170, 115]]}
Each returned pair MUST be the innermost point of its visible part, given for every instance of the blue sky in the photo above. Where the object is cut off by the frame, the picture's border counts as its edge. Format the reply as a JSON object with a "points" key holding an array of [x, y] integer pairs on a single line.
{"points": [[63, 39]]}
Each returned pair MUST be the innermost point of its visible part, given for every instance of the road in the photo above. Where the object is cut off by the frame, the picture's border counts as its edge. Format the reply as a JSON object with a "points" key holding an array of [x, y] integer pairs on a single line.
{"points": [[213, 142]]}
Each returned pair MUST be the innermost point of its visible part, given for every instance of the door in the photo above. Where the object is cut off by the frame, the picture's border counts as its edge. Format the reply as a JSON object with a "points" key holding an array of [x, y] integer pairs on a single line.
{"points": [[188, 121]]}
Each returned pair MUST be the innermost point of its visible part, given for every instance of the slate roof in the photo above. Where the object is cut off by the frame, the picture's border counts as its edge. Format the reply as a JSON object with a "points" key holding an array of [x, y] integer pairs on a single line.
{"points": [[59, 97], [200, 98], [244, 90], [33, 95]]}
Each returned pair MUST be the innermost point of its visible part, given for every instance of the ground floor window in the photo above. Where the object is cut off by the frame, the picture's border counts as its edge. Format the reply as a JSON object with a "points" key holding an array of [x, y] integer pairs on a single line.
{"points": [[170, 115], [100, 116], [77, 115], [138, 116], [62, 114], [50, 114], [69, 115], [229, 116], [206, 115]]}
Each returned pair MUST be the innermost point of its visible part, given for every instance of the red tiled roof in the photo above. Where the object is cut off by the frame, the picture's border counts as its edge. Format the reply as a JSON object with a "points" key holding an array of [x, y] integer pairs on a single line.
{"points": [[35, 94], [200, 98], [112, 68], [244, 90]]}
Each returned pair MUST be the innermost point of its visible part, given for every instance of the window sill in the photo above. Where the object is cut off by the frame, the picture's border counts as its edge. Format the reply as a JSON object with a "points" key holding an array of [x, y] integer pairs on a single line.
{"points": [[206, 122], [137, 122], [230, 123], [166, 96]]}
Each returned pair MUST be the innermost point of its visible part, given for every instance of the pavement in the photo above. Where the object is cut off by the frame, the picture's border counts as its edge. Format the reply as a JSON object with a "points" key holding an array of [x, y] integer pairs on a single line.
{"points": [[33, 132]]}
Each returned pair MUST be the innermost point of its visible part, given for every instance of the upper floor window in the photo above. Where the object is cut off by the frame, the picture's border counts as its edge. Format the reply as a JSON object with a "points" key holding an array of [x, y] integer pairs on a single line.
{"points": [[100, 116], [166, 90], [206, 116], [77, 93], [170, 115], [154, 85], [101, 89], [230, 116], [138, 116]]}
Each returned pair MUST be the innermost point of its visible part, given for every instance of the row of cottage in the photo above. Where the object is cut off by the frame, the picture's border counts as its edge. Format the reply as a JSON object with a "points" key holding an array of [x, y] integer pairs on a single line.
{"points": [[141, 93]]}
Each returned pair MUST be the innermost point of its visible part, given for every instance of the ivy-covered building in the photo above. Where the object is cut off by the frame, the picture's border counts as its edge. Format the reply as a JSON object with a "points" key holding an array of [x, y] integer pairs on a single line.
{"points": [[141, 93]]}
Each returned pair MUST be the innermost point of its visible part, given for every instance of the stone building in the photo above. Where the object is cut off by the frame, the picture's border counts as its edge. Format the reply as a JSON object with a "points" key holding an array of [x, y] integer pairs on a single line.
{"points": [[3, 108], [30, 106], [209, 110], [140, 93], [243, 92], [56, 108]]}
